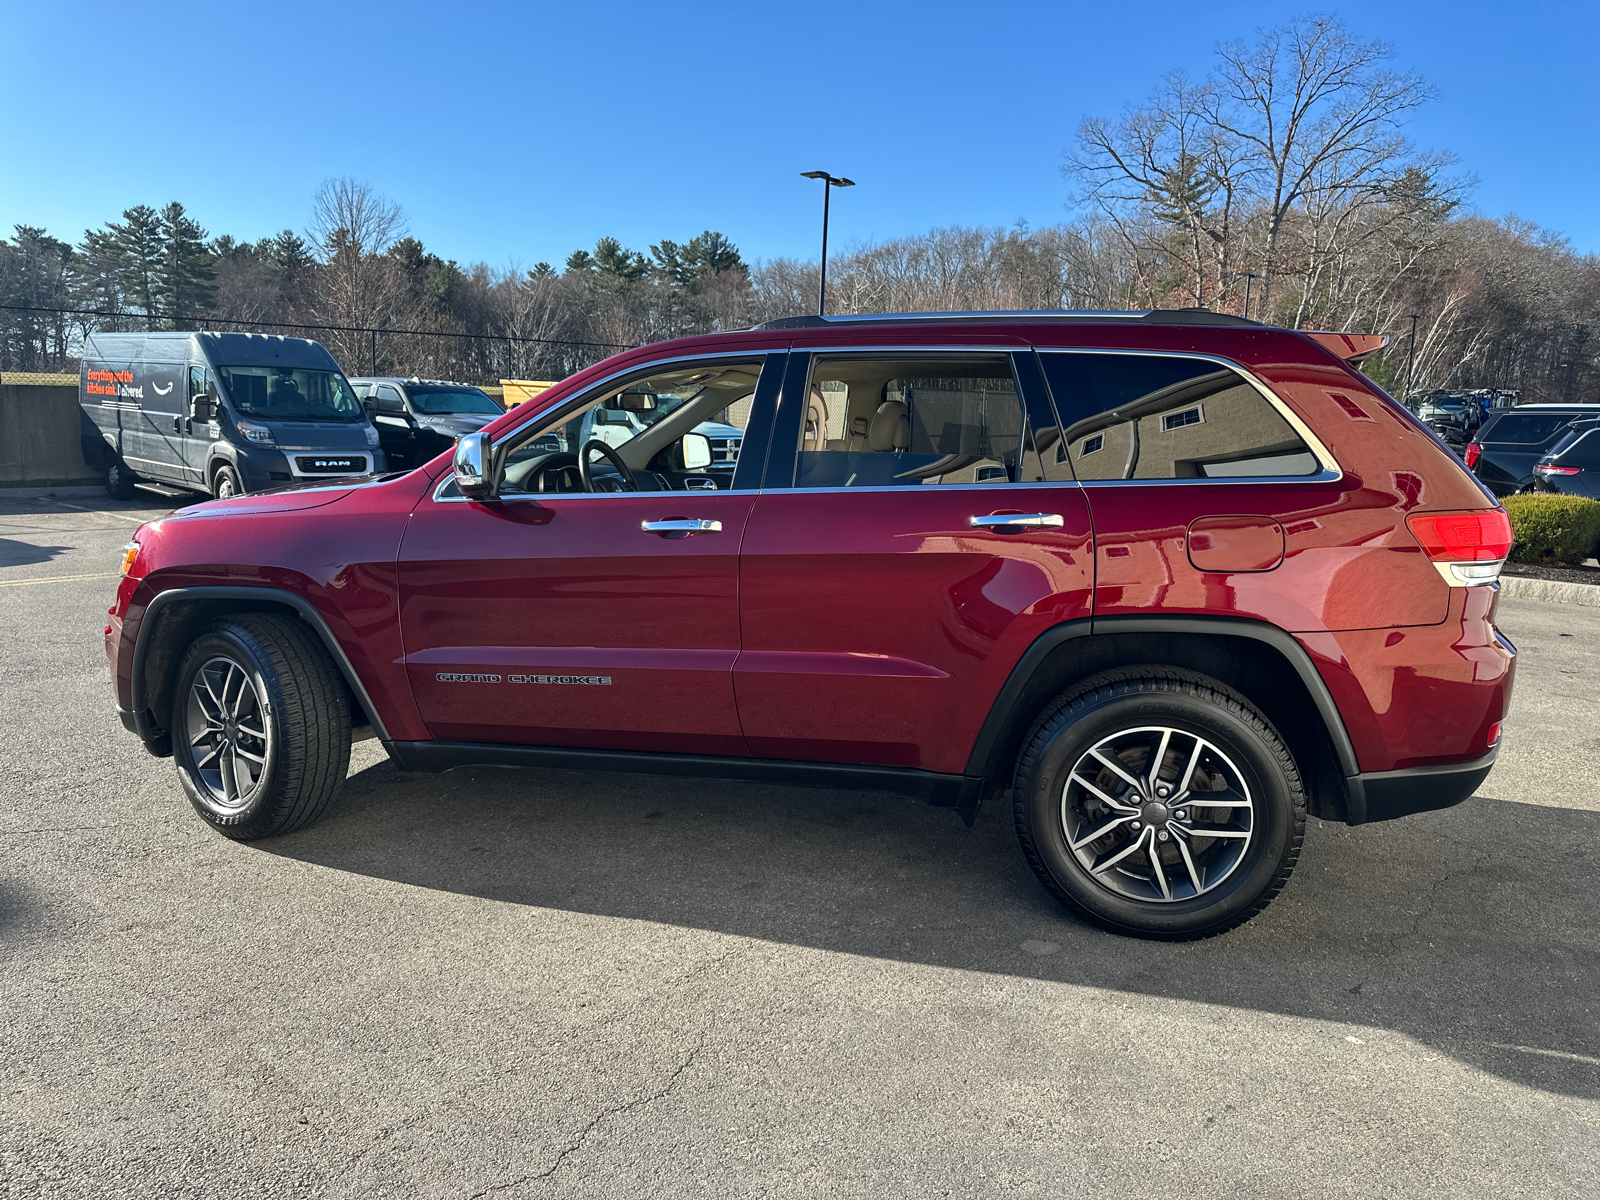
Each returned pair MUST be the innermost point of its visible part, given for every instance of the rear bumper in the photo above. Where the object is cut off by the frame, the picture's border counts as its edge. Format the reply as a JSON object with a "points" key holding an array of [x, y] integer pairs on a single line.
{"points": [[1385, 795]]}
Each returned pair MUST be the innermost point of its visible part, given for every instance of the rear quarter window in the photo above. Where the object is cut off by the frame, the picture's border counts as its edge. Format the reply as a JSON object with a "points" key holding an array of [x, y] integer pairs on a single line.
{"points": [[1133, 417]]}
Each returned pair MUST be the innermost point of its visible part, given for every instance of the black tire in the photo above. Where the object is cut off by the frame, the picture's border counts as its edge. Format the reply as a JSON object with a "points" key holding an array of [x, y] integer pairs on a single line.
{"points": [[305, 754], [225, 483], [119, 480], [1230, 740]]}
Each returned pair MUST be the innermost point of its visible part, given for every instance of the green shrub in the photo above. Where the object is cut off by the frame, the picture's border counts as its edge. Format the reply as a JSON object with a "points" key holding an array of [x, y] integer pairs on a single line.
{"points": [[1560, 527]]}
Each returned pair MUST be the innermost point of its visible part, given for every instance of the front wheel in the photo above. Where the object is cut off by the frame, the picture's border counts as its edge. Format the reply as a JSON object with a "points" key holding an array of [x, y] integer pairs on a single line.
{"points": [[225, 483], [1159, 803], [260, 725]]}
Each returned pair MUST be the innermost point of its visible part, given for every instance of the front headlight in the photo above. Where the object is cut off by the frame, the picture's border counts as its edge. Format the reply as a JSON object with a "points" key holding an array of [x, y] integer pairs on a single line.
{"points": [[256, 433], [372, 436]]}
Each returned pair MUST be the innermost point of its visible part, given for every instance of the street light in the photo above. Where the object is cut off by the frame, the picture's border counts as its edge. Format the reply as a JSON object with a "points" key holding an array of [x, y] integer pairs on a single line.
{"points": [[830, 182], [1248, 276]]}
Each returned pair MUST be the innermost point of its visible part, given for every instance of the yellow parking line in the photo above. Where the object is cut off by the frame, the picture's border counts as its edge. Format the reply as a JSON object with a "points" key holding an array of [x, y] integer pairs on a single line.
{"points": [[57, 579]]}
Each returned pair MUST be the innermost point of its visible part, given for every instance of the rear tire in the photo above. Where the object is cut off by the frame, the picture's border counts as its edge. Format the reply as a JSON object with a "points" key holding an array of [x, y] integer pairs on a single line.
{"points": [[119, 480], [260, 726], [1191, 849], [225, 484]]}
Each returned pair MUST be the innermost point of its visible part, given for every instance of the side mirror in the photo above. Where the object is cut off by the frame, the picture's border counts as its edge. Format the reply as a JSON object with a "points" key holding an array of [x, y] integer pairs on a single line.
{"points": [[371, 405], [473, 469], [695, 449], [201, 408]]}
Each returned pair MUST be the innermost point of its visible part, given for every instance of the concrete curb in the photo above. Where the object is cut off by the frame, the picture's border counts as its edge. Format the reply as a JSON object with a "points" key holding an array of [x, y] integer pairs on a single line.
{"points": [[1523, 588]]}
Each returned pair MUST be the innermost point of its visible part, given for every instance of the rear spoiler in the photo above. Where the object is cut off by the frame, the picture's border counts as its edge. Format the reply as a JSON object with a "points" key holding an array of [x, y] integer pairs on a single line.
{"points": [[1352, 347]]}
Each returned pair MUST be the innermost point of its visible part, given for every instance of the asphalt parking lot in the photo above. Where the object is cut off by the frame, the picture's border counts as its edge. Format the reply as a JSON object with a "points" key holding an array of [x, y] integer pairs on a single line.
{"points": [[529, 984]]}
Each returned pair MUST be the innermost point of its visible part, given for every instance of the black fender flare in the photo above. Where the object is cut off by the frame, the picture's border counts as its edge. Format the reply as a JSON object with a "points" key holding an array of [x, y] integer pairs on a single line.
{"points": [[1004, 706], [221, 451], [302, 606]]}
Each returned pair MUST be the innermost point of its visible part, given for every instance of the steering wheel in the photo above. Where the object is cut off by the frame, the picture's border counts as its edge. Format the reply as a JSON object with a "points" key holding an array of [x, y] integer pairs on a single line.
{"points": [[586, 472]]}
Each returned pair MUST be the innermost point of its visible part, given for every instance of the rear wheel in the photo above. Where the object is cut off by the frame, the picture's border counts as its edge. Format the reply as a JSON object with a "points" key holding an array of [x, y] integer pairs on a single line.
{"points": [[260, 726], [119, 480], [1159, 803], [225, 483]]}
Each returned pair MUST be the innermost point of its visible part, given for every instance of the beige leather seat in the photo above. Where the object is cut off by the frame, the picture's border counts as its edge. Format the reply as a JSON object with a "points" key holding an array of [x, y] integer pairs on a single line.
{"points": [[890, 429]]}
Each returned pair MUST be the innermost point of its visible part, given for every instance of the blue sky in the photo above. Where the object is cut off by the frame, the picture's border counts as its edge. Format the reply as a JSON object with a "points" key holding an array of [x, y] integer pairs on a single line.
{"points": [[515, 132]]}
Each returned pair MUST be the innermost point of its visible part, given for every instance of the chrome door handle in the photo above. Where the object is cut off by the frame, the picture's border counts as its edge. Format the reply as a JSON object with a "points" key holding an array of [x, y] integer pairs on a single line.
{"points": [[681, 526], [1019, 521]]}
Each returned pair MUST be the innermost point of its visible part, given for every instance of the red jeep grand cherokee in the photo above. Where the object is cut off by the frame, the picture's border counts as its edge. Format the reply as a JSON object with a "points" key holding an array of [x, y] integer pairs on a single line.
{"points": [[1174, 579]]}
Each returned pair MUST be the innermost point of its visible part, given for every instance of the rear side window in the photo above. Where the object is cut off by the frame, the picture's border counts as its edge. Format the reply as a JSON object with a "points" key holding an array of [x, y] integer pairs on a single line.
{"points": [[911, 422], [1582, 451], [1156, 416], [1524, 429]]}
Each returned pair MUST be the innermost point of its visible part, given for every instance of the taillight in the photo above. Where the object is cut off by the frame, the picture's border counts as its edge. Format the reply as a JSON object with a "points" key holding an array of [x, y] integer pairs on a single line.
{"points": [[1474, 453], [1494, 733], [1541, 469], [1467, 547]]}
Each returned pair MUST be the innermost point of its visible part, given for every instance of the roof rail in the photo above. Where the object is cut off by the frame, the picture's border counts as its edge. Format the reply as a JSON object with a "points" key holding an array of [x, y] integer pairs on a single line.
{"points": [[1155, 316]]}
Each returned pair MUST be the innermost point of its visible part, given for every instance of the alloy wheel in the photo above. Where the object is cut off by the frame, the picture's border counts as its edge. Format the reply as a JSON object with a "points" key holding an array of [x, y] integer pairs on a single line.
{"points": [[228, 731], [1157, 814]]}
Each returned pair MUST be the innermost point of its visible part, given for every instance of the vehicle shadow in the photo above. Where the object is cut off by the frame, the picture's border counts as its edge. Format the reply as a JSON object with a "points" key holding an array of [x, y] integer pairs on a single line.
{"points": [[23, 554], [1472, 930]]}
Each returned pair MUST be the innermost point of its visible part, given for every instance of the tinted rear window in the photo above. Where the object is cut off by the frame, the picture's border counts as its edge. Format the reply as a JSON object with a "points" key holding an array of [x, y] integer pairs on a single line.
{"points": [[1529, 429]]}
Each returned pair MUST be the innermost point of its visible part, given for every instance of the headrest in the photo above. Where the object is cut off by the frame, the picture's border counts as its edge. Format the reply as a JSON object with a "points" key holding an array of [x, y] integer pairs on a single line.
{"points": [[890, 430]]}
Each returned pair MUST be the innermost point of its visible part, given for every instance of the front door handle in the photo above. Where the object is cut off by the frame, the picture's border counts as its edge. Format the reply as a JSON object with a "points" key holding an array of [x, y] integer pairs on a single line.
{"points": [[681, 525], [1018, 521]]}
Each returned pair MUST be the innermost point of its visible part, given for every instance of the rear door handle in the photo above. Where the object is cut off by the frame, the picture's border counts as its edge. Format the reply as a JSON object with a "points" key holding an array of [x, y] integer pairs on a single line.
{"points": [[681, 525], [1018, 521]]}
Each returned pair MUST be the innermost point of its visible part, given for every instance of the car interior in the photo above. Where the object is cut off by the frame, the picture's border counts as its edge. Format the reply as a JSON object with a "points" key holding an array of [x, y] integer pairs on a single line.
{"points": [[636, 437], [897, 422]]}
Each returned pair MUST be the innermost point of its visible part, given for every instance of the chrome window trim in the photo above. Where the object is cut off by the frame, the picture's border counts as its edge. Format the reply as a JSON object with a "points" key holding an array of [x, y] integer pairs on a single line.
{"points": [[1331, 470]]}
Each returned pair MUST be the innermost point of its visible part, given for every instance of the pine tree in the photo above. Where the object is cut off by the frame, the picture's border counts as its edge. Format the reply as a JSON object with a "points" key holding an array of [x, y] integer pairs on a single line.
{"points": [[186, 275], [132, 254]]}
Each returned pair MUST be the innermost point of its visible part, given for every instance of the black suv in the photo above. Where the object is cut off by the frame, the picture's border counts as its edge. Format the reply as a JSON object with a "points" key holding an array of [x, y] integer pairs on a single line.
{"points": [[419, 419], [1513, 440]]}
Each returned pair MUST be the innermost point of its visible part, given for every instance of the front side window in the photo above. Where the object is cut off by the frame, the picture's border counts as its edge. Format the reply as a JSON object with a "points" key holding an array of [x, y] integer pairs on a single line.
{"points": [[1157, 416], [632, 434], [291, 394], [913, 421], [442, 401], [389, 400]]}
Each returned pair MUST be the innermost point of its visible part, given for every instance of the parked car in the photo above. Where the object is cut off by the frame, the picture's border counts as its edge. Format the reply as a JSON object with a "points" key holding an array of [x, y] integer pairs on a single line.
{"points": [[1453, 417], [419, 419], [1572, 467], [224, 413], [1512, 441], [1163, 583]]}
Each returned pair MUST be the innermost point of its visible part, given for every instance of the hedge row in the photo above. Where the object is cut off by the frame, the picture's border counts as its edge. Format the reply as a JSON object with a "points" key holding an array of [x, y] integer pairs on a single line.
{"points": [[1566, 528]]}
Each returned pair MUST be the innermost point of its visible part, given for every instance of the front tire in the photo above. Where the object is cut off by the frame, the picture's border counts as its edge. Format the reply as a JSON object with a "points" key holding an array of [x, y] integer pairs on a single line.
{"points": [[260, 726], [225, 484], [1159, 803]]}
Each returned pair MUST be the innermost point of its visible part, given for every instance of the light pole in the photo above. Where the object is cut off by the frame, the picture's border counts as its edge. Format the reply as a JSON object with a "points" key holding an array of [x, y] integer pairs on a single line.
{"points": [[1411, 358], [829, 182], [1248, 276]]}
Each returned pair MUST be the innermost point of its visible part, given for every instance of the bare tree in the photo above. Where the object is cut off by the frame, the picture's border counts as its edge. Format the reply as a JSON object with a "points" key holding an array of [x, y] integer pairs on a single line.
{"points": [[355, 284], [1319, 114]]}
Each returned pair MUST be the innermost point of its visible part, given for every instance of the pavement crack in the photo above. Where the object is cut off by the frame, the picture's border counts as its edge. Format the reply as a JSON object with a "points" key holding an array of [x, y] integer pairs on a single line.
{"points": [[577, 1142]]}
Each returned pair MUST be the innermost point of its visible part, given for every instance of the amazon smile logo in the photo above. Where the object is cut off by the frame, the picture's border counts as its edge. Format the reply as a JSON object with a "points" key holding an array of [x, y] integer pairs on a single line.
{"points": [[159, 390]]}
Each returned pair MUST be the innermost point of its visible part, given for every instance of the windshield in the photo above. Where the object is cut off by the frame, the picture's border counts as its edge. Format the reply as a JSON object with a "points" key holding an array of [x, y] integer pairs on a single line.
{"points": [[453, 400], [291, 394]]}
